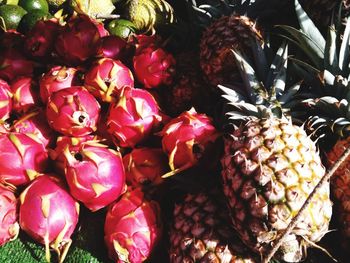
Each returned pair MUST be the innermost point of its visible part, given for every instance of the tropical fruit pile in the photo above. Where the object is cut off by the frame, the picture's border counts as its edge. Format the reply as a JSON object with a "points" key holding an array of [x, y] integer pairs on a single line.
{"points": [[174, 131]]}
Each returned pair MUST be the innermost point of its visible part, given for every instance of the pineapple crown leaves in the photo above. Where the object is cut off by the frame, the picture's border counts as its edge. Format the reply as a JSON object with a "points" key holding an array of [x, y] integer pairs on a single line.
{"points": [[203, 12], [265, 93], [328, 76]]}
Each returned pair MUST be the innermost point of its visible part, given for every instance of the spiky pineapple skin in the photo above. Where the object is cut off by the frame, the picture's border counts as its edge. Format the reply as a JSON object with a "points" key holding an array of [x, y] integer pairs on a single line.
{"points": [[225, 34], [270, 166], [202, 232], [340, 185]]}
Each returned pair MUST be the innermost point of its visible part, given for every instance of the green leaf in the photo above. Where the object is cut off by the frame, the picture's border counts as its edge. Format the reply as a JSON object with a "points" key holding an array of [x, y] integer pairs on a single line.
{"points": [[344, 49], [305, 43], [88, 244], [318, 43], [331, 56]]}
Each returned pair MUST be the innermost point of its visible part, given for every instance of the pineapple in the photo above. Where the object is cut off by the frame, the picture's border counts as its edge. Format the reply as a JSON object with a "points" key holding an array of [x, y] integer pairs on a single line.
{"points": [[270, 166], [329, 106], [226, 33], [202, 232], [321, 11], [186, 91]]}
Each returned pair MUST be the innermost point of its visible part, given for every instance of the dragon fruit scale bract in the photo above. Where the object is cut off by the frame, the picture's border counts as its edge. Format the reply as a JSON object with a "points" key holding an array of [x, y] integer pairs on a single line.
{"points": [[24, 92], [73, 144], [133, 117], [73, 111], [132, 227], [35, 123], [22, 158], [49, 214], [9, 227], [5, 100], [107, 77], [95, 175], [154, 67], [57, 78], [145, 166], [40, 40], [186, 138], [78, 40]]}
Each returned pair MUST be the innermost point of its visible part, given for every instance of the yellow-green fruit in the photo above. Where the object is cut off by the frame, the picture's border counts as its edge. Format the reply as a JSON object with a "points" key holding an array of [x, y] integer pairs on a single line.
{"points": [[121, 28], [10, 16], [94, 9], [55, 3], [146, 14], [31, 5], [29, 20]]}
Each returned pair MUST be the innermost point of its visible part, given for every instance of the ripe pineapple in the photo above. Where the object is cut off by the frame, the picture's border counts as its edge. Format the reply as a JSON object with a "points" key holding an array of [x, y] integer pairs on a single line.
{"points": [[329, 106], [270, 165], [226, 33], [201, 232]]}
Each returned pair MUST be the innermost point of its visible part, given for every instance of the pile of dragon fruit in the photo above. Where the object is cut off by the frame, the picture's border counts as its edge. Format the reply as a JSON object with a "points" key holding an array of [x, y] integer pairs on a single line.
{"points": [[81, 126]]}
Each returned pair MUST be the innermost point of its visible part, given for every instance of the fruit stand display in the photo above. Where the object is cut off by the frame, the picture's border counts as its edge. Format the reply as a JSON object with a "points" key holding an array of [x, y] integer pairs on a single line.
{"points": [[174, 131]]}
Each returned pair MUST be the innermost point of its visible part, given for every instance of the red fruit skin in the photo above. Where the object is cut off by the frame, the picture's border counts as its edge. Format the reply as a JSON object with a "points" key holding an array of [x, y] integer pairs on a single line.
{"points": [[73, 144], [106, 78], [11, 39], [57, 78], [98, 178], [132, 228], [22, 158], [5, 100], [183, 136], [40, 40], [48, 213], [13, 64], [73, 112], [154, 67], [25, 96], [141, 42], [9, 227], [144, 166], [132, 119], [114, 47], [35, 123], [78, 40]]}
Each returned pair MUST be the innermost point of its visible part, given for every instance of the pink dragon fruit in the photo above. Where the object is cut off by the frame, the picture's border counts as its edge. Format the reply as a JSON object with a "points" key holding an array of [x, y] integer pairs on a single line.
{"points": [[186, 138], [132, 228], [39, 41], [9, 227], [154, 67], [35, 123], [142, 42], [95, 175], [73, 144], [13, 64], [78, 40], [114, 47], [24, 92], [22, 158], [49, 214], [145, 166], [11, 39], [73, 112], [5, 100], [58, 77], [107, 77], [133, 117]]}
